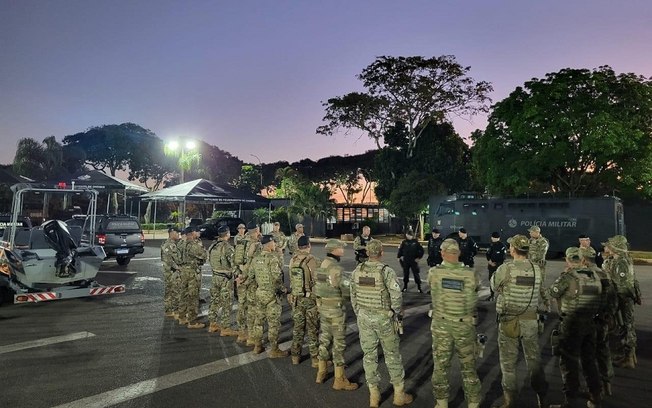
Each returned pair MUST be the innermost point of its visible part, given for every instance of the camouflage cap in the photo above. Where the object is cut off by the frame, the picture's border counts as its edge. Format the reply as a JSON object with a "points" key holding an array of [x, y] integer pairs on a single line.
{"points": [[618, 243], [587, 253], [449, 245], [334, 244], [374, 247], [298, 226], [573, 254], [241, 226], [520, 242], [534, 228], [277, 223]]}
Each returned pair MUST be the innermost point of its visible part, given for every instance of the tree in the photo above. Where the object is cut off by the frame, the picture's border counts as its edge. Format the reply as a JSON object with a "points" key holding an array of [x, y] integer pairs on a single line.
{"points": [[416, 91], [250, 179], [441, 159], [108, 148], [574, 132], [29, 158]]}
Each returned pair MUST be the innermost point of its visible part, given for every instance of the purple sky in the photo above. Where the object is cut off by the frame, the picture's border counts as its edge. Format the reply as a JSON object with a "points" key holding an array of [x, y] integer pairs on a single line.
{"points": [[249, 76]]}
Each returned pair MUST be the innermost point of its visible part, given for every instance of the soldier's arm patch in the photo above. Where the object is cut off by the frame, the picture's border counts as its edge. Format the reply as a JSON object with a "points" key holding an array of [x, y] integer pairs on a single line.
{"points": [[525, 280], [367, 281], [452, 284]]}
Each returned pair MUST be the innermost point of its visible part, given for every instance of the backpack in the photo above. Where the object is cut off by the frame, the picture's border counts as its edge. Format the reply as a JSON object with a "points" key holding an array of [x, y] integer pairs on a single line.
{"points": [[298, 279]]}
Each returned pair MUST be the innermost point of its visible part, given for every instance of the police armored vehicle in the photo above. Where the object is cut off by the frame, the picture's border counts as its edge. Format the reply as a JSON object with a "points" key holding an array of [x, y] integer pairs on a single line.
{"points": [[561, 220], [48, 262]]}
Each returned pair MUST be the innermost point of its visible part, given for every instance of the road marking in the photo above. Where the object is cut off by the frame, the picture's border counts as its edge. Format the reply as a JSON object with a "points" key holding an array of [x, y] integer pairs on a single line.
{"points": [[119, 272], [139, 389], [134, 259], [45, 342]]}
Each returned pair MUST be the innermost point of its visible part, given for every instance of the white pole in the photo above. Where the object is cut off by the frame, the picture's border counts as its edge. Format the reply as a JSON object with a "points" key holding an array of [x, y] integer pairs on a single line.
{"points": [[154, 232]]}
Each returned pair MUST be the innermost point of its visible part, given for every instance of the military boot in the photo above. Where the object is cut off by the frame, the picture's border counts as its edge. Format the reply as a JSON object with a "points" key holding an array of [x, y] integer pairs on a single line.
{"points": [[242, 336], [314, 362], [276, 352], [183, 321], [250, 342], [213, 327], [441, 403], [322, 371], [228, 332], [474, 405], [628, 361], [509, 400], [296, 360], [400, 397], [196, 325], [258, 348], [595, 401], [169, 314], [341, 382], [374, 396], [606, 388], [569, 402]]}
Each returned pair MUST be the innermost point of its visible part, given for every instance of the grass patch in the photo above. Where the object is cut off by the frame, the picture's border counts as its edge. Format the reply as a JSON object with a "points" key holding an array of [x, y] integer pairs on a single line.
{"points": [[641, 254]]}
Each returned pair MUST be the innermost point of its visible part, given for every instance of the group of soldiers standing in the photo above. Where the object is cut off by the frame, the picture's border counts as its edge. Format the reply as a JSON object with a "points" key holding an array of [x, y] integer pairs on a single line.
{"points": [[593, 303]]}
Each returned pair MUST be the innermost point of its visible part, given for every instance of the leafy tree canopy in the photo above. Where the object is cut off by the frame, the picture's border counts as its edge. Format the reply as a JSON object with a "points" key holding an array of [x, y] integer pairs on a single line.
{"points": [[415, 91], [575, 132], [441, 160]]}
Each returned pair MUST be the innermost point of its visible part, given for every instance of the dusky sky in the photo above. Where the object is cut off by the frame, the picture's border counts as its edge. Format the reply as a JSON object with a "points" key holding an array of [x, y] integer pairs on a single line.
{"points": [[249, 76]]}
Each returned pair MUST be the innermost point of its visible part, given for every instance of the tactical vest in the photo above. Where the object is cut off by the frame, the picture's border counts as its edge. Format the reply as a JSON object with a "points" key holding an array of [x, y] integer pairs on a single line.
{"points": [[371, 293], [300, 279], [217, 256], [453, 291], [240, 255], [584, 294], [324, 288], [265, 276], [519, 291]]}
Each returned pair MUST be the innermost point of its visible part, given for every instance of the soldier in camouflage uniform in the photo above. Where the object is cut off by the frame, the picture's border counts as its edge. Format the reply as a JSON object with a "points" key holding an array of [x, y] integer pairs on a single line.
{"points": [[279, 238], [294, 238], [253, 248], [266, 271], [605, 320], [171, 270], [518, 285], [538, 249], [620, 268], [360, 244], [305, 316], [330, 288], [193, 256], [240, 235], [220, 257], [454, 297], [377, 301], [244, 251], [578, 291]]}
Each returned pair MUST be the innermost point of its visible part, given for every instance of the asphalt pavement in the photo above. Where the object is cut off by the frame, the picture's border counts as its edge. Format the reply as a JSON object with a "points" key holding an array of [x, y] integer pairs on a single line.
{"points": [[119, 350]]}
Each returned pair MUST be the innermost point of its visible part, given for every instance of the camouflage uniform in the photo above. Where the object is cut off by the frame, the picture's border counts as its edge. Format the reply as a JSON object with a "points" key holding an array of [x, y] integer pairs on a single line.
{"points": [[376, 299], [330, 288], [537, 253], [518, 285], [454, 298], [171, 275], [237, 238], [254, 248], [604, 321], [304, 308], [266, 271], [246, 287], [220, 257], [579, 294], [621, 270], [360, 248], [292, 241], [193, 256]]}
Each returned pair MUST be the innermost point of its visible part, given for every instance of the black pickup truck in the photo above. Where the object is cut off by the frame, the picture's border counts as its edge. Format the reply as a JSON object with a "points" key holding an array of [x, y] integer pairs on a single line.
{"points": [[120, 235]]}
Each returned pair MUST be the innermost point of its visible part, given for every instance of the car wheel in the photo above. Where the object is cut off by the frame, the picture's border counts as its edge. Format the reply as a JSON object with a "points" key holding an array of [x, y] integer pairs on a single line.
{"points": [[5, 295], [123, 260]]}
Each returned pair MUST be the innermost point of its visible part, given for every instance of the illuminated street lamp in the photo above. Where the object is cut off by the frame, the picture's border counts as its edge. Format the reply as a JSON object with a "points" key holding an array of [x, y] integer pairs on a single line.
{"points": [[174, 148]]}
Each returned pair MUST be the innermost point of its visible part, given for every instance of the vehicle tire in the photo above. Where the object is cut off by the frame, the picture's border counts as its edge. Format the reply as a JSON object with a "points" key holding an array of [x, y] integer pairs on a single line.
{"points": [[123, 260], [6, 295]]}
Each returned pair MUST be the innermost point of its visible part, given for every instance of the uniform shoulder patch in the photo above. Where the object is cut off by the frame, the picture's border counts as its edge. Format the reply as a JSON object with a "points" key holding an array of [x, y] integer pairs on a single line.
{"points": [[452, 284]]}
